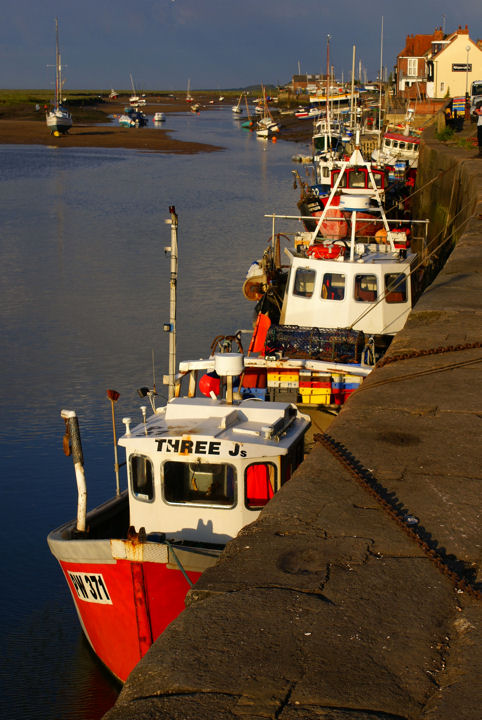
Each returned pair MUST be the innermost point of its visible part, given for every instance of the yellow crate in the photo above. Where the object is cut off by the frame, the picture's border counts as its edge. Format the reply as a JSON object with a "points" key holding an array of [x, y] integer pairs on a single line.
{"points": [[315, 399], [314, 391], [282, 376]]}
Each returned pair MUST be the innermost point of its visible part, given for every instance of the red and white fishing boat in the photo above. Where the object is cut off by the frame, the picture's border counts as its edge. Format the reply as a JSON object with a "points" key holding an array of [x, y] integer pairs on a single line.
{"points": [[198, 470], [354, 185]]}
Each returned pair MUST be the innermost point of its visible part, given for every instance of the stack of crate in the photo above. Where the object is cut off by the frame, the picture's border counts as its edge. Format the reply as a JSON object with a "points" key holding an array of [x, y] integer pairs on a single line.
{"points": [[352, 383], [343, 386], [282, 384], [315, 388]]}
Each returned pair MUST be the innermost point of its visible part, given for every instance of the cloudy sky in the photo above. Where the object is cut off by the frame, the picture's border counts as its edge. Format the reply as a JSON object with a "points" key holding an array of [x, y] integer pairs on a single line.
{"points": [[215, 43]]}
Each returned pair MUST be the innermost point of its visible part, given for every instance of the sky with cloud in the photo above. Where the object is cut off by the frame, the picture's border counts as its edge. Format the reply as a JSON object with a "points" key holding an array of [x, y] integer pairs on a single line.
{"points": [[214, 43]]}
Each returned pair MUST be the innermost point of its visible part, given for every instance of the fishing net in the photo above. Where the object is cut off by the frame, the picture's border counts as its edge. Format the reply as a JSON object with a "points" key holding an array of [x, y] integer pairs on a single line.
{"points": [[340, 345]]}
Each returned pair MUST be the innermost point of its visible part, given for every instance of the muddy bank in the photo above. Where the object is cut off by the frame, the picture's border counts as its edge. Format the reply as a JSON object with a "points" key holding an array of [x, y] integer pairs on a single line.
{"points": [[30, 132], [22, 126]]}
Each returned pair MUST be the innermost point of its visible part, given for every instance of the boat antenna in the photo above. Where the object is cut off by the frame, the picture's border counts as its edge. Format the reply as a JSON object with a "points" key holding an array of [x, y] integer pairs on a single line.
{"points": [[170, 327], [328, 86], [353, 118], [113, 396], [153, 373]]}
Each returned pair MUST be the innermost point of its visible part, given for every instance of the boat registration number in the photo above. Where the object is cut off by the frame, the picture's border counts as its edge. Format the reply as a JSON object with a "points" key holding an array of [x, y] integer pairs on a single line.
{"points": [[90, 587]]}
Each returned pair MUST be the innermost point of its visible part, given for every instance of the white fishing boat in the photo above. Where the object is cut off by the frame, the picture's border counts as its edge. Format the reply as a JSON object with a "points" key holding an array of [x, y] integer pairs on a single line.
{"points": [[59, 120], [159, 117], [398, 146], [345, 290], [198, 470]]}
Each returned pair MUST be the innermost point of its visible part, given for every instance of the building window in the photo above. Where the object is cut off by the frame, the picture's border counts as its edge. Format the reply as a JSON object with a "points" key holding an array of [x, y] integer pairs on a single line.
{"points": [[412, 67]]}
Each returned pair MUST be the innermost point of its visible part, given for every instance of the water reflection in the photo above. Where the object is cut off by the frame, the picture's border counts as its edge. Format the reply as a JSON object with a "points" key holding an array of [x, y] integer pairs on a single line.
{"points": [[84, 284]]}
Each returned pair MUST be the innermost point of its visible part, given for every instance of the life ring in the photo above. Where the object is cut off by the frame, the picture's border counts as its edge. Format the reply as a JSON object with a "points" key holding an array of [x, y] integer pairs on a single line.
{"points": [[324, 252]]}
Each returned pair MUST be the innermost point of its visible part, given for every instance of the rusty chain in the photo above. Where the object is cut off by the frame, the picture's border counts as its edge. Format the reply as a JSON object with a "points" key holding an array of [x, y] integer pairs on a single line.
{"points": [[449, 565], [387, 360]]}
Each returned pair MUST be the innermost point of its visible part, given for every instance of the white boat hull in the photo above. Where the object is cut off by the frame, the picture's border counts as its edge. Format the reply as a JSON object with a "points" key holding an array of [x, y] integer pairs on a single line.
{"points": [[59, 121]]}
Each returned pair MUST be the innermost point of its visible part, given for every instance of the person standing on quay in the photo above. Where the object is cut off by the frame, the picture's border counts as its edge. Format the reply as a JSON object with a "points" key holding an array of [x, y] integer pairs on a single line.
{"points": [[478, 112]]}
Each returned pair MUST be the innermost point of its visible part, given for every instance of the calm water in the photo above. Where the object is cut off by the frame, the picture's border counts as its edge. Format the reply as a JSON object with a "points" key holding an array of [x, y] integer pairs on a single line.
{"points": [[85, 291]]}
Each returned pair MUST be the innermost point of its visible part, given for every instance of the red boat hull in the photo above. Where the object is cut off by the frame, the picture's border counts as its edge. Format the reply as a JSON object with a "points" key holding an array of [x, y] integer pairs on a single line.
{"points": [[124, 606]]}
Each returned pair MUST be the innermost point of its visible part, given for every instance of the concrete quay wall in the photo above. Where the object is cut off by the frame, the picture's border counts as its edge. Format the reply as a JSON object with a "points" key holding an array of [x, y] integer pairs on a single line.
{"points": [[325, 607]]}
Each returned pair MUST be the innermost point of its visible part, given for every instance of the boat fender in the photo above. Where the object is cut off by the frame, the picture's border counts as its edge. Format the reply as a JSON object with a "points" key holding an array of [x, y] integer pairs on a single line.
{"points": [[210, 382]]}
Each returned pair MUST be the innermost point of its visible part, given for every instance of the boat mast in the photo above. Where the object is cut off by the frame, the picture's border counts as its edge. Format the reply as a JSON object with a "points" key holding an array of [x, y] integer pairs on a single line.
{"points": [[352, 99], [171, 326], [57, 64], [328, 89], [380, 94]]}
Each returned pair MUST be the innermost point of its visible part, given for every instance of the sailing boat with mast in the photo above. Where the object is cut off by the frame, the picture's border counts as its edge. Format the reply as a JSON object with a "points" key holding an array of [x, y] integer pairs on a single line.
{"points": [[59, 120], [266, 126], [237, 108]]}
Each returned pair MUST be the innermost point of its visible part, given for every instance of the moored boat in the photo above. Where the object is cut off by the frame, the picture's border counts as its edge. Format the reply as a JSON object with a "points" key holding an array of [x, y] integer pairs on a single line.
{"points": [[198, 470], [398, 146], [347, 288], [159, 117], [58, 119]]}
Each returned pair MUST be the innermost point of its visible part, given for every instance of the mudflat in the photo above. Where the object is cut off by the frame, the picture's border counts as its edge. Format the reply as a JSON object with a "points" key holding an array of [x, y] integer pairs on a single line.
{"points": [[23, 126], [31, 132], [28, 131]]}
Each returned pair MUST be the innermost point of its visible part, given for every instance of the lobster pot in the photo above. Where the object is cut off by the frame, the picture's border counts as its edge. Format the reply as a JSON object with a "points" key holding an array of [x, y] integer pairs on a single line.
{"points": [[340, 345]]}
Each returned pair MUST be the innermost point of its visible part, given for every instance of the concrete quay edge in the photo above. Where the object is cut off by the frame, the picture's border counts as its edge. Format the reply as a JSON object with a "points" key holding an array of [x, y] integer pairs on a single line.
{"points": [[324, 607]]}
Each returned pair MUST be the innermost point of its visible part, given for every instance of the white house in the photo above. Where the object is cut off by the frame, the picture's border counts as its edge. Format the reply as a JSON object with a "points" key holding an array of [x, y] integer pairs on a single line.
{"points": [[453, 64]]}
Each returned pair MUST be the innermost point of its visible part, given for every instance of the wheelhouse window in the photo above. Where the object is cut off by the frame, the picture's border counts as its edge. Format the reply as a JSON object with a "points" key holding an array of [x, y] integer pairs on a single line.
{"points": [[357, 178], [142, 477], [334, 178], [333, 287], [290, 462], [365, 288], [304, 282], [260, 484], [395, 288], [199, 483], [379, 178]]}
